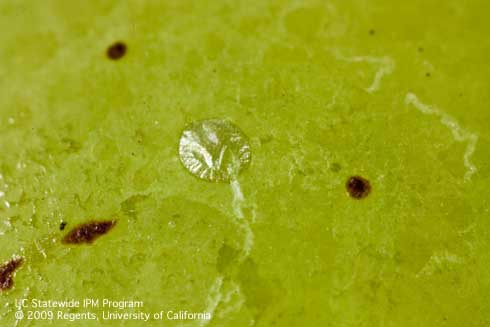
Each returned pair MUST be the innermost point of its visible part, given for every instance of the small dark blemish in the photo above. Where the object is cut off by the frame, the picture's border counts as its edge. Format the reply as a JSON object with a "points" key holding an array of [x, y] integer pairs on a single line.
{"points": [[335, 167], [227, 256], [372, 32], [129, 206], [266, 139], [427, 74], [71, 145], [116, 51], [62, 225], [358, 187], [420, 49], [139, 136], [7, 271], [88, 232], [309, 170]]}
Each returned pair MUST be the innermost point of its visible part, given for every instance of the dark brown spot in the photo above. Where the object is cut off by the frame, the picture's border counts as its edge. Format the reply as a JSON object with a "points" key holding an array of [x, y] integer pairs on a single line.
{"points": [[358, 187], [88, 232], [372, 32], [7, 271], [62, 225], [116, 51], [427, 74]]}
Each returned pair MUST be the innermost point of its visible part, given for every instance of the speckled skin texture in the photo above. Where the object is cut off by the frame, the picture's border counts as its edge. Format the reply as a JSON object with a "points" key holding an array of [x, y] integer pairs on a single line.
{"points": [[393, 91]]}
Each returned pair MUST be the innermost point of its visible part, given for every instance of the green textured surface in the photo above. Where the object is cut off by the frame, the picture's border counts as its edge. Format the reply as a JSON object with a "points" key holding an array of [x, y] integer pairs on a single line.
{"points": [[83, 137]]}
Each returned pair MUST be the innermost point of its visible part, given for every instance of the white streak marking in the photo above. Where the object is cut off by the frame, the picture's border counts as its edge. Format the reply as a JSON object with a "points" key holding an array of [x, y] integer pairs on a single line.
{"points": [[237, 198], [444, 261], [214, 298], [459, 134], [249, 239], [40, 249], [227, 300], [237, 203], [386, 67]]}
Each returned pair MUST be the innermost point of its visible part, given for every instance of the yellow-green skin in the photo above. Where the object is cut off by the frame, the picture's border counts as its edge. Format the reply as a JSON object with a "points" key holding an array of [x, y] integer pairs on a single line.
{"points": [[394, 91]]}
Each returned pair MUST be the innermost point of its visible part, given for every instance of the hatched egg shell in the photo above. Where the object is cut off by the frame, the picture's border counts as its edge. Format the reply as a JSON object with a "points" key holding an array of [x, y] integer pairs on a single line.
{"points": [[214, 150]]}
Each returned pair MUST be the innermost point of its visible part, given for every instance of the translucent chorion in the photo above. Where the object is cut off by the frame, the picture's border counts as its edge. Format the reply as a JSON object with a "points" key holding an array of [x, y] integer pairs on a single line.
{"points": [[215, 150]]}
